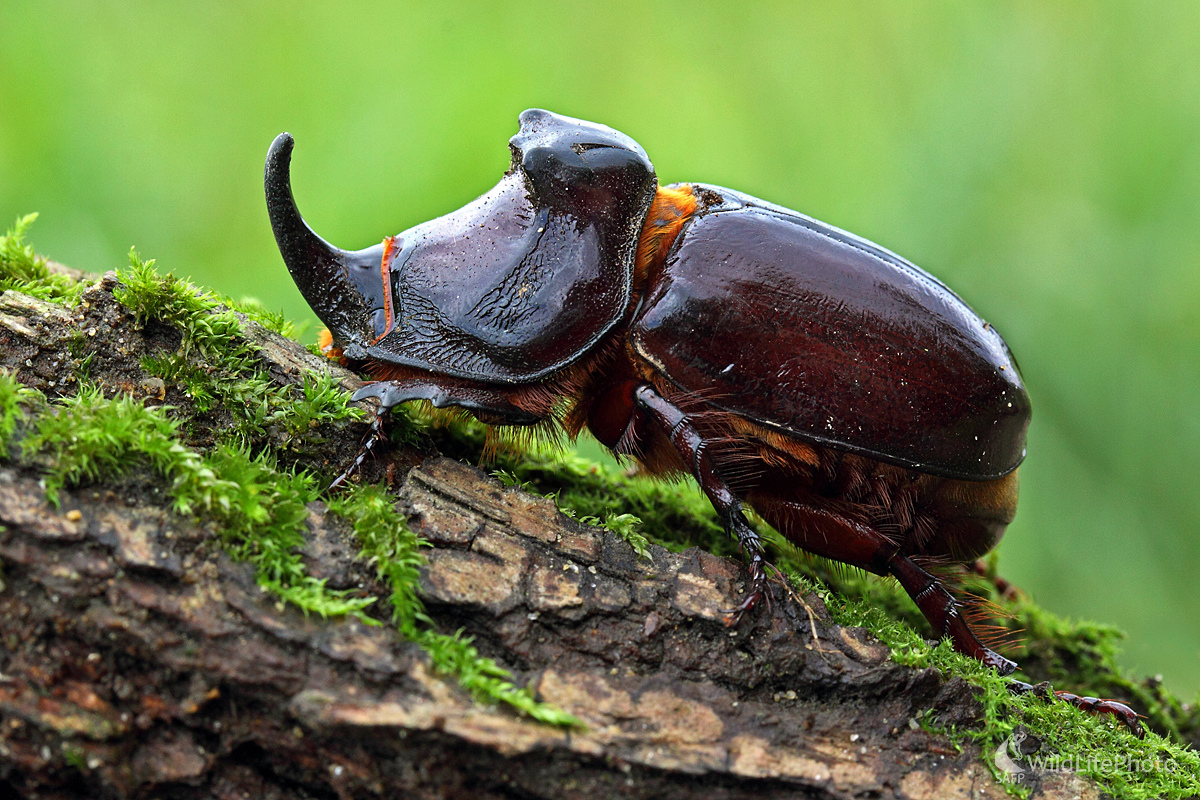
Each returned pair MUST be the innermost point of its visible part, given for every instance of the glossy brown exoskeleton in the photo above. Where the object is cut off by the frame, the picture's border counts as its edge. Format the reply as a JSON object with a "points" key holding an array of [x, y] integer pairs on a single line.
{"points": [[860, 406]]}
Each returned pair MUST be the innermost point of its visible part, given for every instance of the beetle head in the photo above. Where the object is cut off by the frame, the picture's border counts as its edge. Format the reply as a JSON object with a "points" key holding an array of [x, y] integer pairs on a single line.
{"points": [[514, 285]]}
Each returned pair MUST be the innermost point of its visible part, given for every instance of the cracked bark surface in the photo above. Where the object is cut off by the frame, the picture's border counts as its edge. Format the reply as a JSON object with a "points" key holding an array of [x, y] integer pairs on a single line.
{"points": [[138, 660]]}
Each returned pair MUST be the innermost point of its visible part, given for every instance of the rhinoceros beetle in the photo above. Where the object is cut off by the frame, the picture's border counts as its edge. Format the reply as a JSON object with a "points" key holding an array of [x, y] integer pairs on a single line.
{"points": [[852, 399]]}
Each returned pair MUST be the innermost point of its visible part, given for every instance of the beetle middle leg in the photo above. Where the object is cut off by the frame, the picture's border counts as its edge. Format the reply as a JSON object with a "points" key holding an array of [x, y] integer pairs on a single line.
{"points": [[817, 530], [694, 449]]}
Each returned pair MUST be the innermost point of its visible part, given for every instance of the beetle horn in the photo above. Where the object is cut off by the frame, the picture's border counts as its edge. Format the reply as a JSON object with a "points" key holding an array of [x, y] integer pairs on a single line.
{"points": [[331, 279]]}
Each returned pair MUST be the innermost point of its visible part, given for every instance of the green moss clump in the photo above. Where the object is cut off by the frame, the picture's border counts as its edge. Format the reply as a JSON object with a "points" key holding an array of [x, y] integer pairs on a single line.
{"points": [[255, 310], [216, 367], [674, 515], [390, 546], [625, 526], [259, 509], [14, 396], [88, 437], [25, 271], [1083, 655], [1096, 745]]}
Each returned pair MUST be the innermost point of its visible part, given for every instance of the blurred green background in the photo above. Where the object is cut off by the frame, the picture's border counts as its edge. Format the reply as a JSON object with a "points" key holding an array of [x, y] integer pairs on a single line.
{"points": [[1042, 159]]}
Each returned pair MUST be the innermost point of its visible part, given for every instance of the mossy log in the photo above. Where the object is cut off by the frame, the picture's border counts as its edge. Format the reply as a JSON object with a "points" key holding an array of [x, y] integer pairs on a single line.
{"points": [[140, 660]]}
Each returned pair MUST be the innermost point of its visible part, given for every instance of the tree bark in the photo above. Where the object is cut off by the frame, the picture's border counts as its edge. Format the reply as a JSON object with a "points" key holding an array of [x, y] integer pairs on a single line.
{"points": [[139, 660]]}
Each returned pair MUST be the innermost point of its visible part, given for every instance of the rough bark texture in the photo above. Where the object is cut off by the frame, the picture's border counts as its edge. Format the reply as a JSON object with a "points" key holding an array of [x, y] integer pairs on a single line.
{"points": [[140, 661]]}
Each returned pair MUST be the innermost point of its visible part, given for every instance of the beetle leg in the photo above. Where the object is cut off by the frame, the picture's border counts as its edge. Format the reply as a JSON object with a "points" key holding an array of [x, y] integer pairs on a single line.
{"points": [[1004, 589], [1095, 705], [826, 533], [479, 400], [942, 611], [693, 447], [374, 436], [497, 409], [390, 395]]}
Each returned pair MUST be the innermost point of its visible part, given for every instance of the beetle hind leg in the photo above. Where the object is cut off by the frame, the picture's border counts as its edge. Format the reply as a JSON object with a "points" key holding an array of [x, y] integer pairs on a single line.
{"points": [[828, 533], [943, 612], [1127, 716]]}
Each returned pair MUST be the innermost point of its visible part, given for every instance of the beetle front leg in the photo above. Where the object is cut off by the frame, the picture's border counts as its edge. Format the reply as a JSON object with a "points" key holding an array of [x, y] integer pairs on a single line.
{"points": [[390, 394], [479, 400], [693, 447], [374, 436]]}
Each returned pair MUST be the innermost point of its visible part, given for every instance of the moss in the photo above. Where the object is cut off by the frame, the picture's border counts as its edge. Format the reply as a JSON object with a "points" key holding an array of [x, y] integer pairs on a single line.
{"points": [[1076, 737], [74, 757], [389, 546], [22, 269], [216, 367], [260, 510], [321, 400], [625, 526], [1083, 655], [454, 654], [89, 438], [14, 397], [271, 320], [672, 514]]}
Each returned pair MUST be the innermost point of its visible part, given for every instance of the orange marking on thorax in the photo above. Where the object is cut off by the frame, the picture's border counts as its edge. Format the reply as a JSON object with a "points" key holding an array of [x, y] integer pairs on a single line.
{"points": [[668, 213], [385, 266]]}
